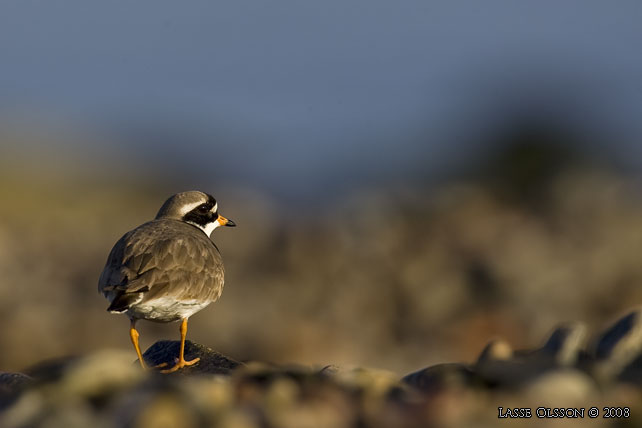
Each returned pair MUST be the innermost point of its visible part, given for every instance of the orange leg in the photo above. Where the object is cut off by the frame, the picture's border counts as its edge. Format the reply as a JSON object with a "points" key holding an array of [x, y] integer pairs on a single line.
{"points": [[133, 334], [181, 356]]}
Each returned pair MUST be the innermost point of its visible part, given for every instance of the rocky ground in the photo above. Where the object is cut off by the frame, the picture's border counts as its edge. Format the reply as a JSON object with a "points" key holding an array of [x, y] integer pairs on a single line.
{"points": [[565, 377]]}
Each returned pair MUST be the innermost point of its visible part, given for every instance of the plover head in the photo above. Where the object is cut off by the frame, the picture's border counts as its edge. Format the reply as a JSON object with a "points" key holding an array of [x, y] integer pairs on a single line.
{"points": [[196, 208]]}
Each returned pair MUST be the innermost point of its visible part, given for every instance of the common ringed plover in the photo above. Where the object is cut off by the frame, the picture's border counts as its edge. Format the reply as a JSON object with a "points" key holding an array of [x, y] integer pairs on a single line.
{"points": [[167, 269]]}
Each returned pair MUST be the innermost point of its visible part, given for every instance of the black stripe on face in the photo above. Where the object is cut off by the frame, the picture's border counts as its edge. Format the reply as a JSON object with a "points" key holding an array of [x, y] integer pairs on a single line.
{"points": [[212, 202], [202, 214]]}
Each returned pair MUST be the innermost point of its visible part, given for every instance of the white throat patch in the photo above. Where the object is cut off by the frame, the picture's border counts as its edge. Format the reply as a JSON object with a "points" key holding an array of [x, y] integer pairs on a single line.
{"points": [[208, 228]]}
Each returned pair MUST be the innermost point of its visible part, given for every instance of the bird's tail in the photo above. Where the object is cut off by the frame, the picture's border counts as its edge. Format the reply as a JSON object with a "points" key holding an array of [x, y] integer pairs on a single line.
{"points": [[122, 302]]}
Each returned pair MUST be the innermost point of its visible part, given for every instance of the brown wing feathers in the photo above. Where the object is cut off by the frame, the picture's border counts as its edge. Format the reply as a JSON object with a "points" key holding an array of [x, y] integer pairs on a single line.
{"points": [[169, 259]]}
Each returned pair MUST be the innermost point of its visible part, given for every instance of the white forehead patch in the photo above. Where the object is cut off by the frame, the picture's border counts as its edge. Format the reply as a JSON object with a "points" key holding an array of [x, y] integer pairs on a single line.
{"points": [[189, 207]]}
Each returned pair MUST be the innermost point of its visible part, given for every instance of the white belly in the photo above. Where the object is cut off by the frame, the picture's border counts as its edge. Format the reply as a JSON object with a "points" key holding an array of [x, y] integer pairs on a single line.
{"points": [[165, 309]]}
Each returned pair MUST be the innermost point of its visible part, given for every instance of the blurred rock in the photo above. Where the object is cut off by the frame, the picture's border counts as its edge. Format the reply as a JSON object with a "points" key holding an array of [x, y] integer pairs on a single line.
{"points": [[443, 376], [499, 366], [211, 362], [511, 374], [99, 375], [565, 344], [373, 381], [65, 391], [158, 407], [633, 372], [88, 375], [51, 369], [107, 390], [263, 374], [496, 350], [561, 388], [619, 346], [12, 383]]}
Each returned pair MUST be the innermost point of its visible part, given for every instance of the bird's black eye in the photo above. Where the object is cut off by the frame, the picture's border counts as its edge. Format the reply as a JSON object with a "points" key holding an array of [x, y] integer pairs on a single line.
{"points": [[203, 208]]}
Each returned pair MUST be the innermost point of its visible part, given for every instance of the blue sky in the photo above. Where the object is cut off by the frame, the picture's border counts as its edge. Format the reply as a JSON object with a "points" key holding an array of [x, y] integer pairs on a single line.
{"points": [[289, 93]]}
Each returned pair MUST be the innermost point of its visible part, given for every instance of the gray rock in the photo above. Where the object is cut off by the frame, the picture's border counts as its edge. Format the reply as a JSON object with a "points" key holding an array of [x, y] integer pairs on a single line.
{"points": [[561, 387], [511, 374], [499, 366], [264, 374], [163, 397], [565, 344], [619, 346], [442, 376], [166, 351], [51, 370], [496, 350], [65, 392], [12, 383]]}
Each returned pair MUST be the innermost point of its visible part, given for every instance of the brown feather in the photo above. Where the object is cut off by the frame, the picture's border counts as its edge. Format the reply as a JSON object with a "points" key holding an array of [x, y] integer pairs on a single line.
{"points": [[162, 258]]}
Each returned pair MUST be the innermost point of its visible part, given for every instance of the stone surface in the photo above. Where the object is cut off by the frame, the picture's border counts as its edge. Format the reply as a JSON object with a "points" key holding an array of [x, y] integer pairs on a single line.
{"points": [[13, 383], [496, 350], [501, 367], [619, 346], [443, 376], [565, 344], [563, 387], [211, 362], [108, 390]]}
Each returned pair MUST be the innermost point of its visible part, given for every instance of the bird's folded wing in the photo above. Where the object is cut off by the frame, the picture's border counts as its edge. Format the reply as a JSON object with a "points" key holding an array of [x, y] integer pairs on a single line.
{"points": [[177, 265]]}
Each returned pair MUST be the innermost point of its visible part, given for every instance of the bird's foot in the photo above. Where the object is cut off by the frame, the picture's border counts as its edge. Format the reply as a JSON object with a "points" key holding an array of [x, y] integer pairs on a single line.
{"points": [[180, 364], [147, 367]]}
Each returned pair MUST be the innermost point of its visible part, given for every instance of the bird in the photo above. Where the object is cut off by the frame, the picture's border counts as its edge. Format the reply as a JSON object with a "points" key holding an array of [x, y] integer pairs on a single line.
{"points": [[167, 269]]}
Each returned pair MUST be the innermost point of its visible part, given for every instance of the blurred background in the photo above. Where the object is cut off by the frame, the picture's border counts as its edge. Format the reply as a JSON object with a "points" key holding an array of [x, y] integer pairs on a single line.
{"points": [[410, 179]]}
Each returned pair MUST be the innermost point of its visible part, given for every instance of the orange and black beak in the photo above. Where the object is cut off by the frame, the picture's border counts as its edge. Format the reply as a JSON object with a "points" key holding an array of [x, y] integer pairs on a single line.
{"points": [[225, 222]]}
